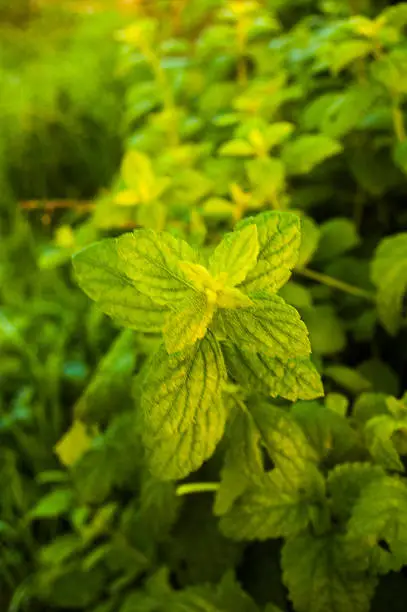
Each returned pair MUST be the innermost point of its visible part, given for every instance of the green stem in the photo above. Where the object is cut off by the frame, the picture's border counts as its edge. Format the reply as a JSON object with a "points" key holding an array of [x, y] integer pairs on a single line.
{"points": [[198, 487], [398, 122], [335, 283]]}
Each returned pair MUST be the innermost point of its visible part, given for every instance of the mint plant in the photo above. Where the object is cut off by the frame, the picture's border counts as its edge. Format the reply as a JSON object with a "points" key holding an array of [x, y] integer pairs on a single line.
{"points": [[215, 315], [230, 179]]}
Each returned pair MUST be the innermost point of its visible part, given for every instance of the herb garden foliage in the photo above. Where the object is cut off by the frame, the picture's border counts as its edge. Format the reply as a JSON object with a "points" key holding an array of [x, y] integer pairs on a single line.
{"points": [[231, 437]]}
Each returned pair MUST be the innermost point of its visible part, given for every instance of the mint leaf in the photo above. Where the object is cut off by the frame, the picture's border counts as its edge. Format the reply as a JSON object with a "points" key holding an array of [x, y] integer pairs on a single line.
{"points": [[310, 236], [100, 273], [110, 384], [380, 436], [329, 433], [237, 148], [151, 260], [296, 295], [243, 462], [74, 443], [183, 412], [189, 324], [284, 439], [277, 506], [322, 575], [337, 236], [325, 329], [236, 255], [381, 514], [305, 152], [279, 241], [348, 378], [347, 51], [271, 327], [389, 274], [346, 483], [52, 505], [296, 378], [227, 596]]}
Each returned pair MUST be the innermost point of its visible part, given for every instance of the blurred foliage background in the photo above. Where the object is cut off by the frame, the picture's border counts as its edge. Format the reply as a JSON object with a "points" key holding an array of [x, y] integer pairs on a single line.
{"points": [[204, 93]]}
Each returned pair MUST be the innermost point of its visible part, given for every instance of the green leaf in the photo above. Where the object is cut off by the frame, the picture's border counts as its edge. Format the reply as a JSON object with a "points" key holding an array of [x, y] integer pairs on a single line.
{"points": [[338, 114], [183, 413], [389, 274], [150, 516], [348, 378], [381, 514], [320, 575], [305, 152], [232, 597], [243, 460], [237, 148], [292, 379], [338, 403], [346, 483], [296, 295], [380, 435], [276, 133], [189, 324], [72, 587], [325, 329], [274, 508], [381, 376], [337, 237], [87, 472], [267, 178], [346, 52], [55, 503], [271, 327], [110, 384], [390, 71], [73, 444], [198, 551], [369, 405], [139, 176], [151, 260], [400, 155], [236, 255], [228, 595], [99, 272], [218, 208], [310, 235], [327, 432], [279, 241], [286, 443]]}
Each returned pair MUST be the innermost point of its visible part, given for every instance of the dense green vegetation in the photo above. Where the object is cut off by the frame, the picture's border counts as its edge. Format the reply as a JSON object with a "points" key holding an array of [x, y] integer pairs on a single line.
{"points": [[203, 273]]}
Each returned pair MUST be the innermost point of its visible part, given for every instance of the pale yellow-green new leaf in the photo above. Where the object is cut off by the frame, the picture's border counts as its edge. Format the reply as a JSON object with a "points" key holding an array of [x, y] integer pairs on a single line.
{"points": [[140, 178], [182, 408], [236, 255], [74, 443]]}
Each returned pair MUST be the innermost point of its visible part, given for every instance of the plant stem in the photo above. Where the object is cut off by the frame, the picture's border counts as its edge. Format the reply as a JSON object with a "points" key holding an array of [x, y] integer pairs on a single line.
{"points": [[398, 122], [335, 283], [197, 487]]}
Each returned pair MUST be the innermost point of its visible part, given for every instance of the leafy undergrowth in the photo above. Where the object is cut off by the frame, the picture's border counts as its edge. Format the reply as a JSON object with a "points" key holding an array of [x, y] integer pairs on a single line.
{"points": [[203, 404]]}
